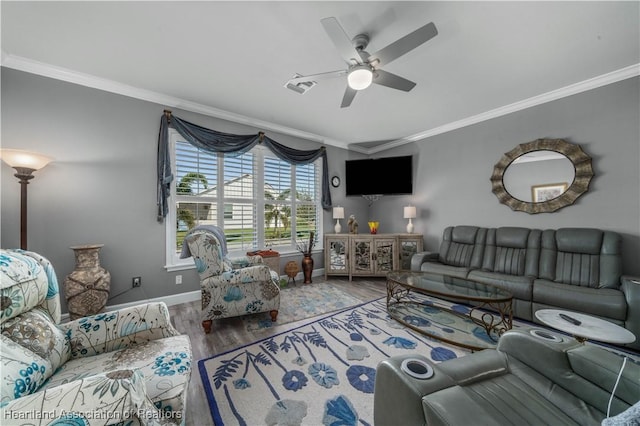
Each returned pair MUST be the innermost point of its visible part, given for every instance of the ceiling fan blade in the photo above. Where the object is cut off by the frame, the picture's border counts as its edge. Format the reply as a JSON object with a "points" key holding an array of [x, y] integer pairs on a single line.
{"points": [[314, 77], [341, 40], [394, 81], [403, 45], [349, 94]]}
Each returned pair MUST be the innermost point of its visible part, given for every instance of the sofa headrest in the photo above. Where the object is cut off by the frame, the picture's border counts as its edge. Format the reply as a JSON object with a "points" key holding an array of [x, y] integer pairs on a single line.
{"points": [[464, 234], [512, 237], [579, 240]]}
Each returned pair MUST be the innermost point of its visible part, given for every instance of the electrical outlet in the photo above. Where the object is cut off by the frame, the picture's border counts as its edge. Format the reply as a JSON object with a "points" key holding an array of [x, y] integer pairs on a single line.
{"points": [[136, 281], [178, 279]]}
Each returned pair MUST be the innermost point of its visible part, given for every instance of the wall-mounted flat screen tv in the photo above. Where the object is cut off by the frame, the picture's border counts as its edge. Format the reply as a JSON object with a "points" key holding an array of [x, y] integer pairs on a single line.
{"points": [[384, 176]]}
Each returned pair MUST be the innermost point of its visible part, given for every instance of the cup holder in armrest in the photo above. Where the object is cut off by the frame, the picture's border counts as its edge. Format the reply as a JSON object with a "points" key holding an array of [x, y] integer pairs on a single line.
{"points": [[546, 335], [417, 368]]}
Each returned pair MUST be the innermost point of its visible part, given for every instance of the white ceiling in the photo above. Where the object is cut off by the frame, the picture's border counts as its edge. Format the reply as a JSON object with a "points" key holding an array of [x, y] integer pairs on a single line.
{"points": [[232, 59]]}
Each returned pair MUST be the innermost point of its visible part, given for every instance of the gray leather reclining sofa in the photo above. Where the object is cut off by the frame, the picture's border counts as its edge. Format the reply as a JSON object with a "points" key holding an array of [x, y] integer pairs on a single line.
{"points": [[526, 380], [578, 269]]}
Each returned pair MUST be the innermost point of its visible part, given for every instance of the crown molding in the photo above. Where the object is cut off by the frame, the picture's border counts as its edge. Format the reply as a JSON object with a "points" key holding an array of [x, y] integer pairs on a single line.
{"points": [[87, 80], [573, 89]]}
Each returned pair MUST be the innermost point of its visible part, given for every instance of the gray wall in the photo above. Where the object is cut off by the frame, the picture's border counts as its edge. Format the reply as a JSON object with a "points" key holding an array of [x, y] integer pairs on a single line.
{"points": [[102, 186], [452, 170]]}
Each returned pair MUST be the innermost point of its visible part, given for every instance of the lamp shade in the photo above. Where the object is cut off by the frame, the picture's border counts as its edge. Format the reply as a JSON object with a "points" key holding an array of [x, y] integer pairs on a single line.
{"points": [[360, 77], [338, 212], [24, 159], [410, 212]]}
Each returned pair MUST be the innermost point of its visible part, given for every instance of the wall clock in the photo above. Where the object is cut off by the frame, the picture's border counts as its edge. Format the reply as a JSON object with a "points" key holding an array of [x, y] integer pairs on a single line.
{"points": [[335, 181]]}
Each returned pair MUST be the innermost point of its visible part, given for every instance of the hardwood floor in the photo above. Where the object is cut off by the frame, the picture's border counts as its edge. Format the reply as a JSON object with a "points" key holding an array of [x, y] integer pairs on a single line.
{"points": [[230, 333]]}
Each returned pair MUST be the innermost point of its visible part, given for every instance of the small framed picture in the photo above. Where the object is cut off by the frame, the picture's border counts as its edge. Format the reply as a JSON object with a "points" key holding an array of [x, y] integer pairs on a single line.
{"points": [[547, 191]]}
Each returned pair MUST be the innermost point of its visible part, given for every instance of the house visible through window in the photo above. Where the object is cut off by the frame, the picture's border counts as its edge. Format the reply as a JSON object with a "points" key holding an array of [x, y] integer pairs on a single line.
{"points": [[259, 200], [228, 211]]}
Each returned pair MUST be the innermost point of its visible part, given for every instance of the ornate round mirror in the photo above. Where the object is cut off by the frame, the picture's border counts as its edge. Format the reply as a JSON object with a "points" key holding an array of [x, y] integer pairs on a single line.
{"points": [[542, 176]]}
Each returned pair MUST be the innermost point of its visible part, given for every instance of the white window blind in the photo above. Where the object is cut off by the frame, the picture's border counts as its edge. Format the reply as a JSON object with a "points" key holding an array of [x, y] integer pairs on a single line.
{"points": [[239, 192], [259, 200], [277, 206], [307, 197]]}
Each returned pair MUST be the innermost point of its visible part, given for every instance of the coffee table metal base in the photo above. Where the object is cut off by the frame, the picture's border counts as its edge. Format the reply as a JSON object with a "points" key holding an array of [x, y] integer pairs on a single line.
{"points": [[474, 327]]}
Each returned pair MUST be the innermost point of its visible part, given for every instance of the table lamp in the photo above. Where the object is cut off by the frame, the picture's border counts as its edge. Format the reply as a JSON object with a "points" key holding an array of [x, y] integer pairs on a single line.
{"points": [[338, 213], [410, 213], [25, 164]]}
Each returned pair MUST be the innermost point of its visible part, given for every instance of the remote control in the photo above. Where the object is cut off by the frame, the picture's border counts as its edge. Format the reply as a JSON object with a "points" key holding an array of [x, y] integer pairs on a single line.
{"points": [[572, 320]]}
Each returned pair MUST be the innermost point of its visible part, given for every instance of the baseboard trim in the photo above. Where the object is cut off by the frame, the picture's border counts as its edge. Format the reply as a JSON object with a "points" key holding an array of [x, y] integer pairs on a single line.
{"points": [[176, 299]]}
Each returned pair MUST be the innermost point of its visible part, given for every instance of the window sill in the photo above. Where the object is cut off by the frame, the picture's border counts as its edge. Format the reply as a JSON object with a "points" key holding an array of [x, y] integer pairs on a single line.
{"points": [[180, 266], [191, 265]]}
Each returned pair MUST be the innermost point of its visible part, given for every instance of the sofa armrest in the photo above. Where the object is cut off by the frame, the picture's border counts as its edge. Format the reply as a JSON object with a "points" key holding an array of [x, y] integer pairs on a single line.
{"points": [[421, 257], [630, 286], [398, 396], [110, 331], [483, 365], [103, 399], [633, 283]]}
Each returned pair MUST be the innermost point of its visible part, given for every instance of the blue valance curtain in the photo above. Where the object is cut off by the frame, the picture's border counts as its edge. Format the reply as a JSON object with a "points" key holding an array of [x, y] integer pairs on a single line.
{"points": [[213, 141]]}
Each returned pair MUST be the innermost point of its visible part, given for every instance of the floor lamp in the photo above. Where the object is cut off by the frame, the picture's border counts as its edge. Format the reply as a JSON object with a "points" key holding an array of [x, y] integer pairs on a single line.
{"points": [[25, 164]]}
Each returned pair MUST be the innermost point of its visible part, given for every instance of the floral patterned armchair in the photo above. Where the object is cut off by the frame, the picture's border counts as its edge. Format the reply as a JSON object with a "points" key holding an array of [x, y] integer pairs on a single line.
{"points": [[230, 286], [128, 367]]}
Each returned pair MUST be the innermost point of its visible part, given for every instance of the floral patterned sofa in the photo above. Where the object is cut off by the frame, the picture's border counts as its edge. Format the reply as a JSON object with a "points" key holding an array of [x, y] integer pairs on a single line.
{"points": [[230, 287], [127, 367]]}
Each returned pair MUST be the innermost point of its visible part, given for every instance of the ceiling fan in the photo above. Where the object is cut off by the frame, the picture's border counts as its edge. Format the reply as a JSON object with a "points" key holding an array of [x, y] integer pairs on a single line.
{"points": [[364, 68]]}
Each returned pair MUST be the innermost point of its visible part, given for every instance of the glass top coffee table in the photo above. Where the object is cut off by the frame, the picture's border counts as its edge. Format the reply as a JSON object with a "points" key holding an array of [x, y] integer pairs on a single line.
{"points": [[473, 315]]}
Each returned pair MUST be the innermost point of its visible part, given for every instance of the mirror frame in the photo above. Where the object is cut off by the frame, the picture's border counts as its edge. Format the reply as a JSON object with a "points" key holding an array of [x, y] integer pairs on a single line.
{"points": [[582, 177]]}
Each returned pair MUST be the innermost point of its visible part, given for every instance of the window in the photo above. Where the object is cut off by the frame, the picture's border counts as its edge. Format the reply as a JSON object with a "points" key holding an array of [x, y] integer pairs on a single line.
{"points": [[259, 200], [228, 211]]}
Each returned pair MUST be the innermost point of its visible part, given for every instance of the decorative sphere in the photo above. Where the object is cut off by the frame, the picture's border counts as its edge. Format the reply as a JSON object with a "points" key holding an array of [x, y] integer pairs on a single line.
{"points": [[291, 269]]}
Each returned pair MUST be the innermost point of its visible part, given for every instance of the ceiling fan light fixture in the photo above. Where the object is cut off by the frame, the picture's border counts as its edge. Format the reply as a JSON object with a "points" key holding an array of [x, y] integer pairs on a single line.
{"points": [[360, 77]]}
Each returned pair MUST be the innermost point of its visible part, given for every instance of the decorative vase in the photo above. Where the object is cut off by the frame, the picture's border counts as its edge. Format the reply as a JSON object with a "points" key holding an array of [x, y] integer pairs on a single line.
{"points": [[87, 287], [307, 268]]}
